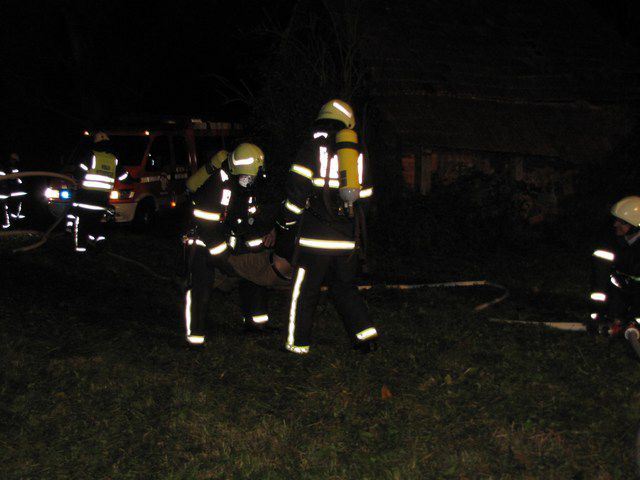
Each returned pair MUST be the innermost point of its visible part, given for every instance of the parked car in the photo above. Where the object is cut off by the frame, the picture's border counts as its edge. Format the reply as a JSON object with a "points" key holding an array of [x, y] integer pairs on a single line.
{"points": [[159, 161]]}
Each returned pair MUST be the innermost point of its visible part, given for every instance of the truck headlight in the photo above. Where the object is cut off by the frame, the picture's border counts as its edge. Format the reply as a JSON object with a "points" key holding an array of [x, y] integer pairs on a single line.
{"points": [[51, 193], [121, 194]]}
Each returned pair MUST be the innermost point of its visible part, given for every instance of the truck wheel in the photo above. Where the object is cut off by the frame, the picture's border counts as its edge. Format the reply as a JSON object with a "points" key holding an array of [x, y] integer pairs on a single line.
{"points": [[144, 217]]}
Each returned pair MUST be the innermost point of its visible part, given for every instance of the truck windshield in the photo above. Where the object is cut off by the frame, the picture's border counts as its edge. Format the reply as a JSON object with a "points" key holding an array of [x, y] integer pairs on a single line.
{"points": [[129, 149]]}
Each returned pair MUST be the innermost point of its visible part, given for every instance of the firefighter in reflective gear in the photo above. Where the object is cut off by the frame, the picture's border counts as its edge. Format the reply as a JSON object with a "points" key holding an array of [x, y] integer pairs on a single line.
{"points": [[12, 194], [5, 194], [324, 196], [615, 280], [195, 181], [96, 176], [228, 220]]}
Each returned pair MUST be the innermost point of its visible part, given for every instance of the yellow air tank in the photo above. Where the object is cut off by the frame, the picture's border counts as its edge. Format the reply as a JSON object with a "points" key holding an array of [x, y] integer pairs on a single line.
{"points": [[347, 146], [195, 181]]}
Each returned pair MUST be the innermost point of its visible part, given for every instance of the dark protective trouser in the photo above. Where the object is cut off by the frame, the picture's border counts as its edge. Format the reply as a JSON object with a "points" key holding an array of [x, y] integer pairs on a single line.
{"points": [[202, 273], [85, 216], [614, 296], [340, 272], [253, 302], [253, 298], [4, 214], [14, 204]]}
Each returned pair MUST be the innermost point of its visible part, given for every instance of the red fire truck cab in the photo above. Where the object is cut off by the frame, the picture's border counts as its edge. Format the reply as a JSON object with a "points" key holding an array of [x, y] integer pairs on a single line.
{"points": [[159, 161]]}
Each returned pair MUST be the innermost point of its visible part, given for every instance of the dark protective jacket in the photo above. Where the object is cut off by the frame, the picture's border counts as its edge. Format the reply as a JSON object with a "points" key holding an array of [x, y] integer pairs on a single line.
{"points": [[312, 197], [11, 187], [615, 278], [230, 218]]}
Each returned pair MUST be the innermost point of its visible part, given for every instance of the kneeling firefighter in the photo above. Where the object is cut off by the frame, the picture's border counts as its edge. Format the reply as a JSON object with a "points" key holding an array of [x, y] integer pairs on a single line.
{"points": [[615, 279], [228, 222], [324, 200], [96, 176]]}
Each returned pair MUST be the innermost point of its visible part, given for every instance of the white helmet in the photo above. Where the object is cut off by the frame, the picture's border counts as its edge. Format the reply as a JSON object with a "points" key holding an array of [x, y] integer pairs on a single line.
{"points": [[628, 210], [100, 137]]}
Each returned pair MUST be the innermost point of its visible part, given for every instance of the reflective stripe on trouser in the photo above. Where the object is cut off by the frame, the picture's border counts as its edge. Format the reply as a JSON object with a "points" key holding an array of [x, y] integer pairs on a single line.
{"points": [[197, 298], [340, 272], [253, 302], [87, 223], [4, 214], [202, 273], [15, 207]]}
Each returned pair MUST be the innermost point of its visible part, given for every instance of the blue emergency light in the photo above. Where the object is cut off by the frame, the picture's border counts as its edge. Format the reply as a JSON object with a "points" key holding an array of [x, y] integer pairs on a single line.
{"points": [[65, 194]]}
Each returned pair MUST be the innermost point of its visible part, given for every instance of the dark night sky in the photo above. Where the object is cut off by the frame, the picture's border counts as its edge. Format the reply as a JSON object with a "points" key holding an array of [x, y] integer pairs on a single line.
{"points": [[64, 63]]}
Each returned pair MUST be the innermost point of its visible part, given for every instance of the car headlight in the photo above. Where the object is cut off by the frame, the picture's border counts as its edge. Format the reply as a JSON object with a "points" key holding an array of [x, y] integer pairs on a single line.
{"points": [[51, 193], [121, 194]]}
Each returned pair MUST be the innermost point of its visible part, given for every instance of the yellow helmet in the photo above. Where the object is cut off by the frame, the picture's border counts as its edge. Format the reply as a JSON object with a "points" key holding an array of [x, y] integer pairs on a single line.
{"points": [[628, 210], [338, 110], [218, 159], [246, 159]]}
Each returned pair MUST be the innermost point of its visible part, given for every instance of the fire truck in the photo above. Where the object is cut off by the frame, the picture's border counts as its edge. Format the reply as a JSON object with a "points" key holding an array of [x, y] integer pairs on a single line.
{"points": [[159, 158]]}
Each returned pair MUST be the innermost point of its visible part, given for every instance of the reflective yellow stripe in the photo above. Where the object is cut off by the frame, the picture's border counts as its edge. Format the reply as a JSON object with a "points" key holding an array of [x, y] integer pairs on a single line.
{"points": [[187, 313], [191, 241], [195, 339], [98, 185], [98, 178], [328, 244], [366, 193], [604, 255], [242, 161], [218, 249], [204, 215], [368, 333], [319, 182], [295, 209], [226, 197], [598, 297], [296, 349], [260, 318], [87, 206], [254, 243], [294, 304], [300, 170]]}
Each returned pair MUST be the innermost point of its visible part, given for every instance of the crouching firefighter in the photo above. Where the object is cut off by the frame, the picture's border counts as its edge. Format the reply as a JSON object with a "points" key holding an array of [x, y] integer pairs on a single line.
{"points": [[324, 192], [615, 278], [225, 213], [96, 175]]}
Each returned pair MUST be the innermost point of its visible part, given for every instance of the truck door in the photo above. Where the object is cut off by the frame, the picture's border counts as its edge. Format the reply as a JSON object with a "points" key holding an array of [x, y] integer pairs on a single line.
{"points": [[158, 168], [181, 171]]}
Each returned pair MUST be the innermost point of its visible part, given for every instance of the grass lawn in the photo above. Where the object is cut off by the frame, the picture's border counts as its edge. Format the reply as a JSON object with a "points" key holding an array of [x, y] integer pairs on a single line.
{"points": [[96, 383]]}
